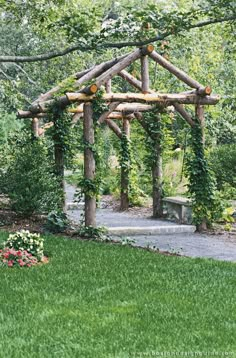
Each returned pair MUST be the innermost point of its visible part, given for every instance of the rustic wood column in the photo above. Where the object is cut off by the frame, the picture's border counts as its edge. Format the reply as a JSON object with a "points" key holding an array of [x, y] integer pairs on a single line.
{"points": [[59, 170], [124, 183], [108, 86], [89, 164], [157, 177], [145, 74], [199, 112], [35, 127]]}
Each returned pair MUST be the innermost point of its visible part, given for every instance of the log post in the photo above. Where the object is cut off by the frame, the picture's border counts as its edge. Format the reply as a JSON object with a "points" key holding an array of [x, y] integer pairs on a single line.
{"points": [[108, 86], [145, 74], [35, 127], [199, 112], [59, 169], [124, 183], [157, 179], [157, 175], [89, 164]]}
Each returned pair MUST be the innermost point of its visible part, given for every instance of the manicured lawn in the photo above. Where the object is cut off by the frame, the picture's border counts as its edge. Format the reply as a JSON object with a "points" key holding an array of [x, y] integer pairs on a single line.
{"points": [[102, 300]]}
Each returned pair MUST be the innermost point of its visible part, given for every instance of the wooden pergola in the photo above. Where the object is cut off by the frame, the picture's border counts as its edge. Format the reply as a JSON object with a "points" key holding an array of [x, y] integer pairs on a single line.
{"points": [[122, 106]]}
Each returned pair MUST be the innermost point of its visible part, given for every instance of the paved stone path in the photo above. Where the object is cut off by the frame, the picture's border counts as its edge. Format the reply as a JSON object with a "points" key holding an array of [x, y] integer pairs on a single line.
{"points": [[219, 247]]}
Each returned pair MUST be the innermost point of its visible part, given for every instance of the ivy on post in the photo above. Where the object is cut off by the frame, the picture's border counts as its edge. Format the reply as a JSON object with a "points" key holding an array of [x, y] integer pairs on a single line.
{"points": [[125, 165], [59, 167], [89, 164], [59, 133], [157, 175], [202, 185], [151, 123]]}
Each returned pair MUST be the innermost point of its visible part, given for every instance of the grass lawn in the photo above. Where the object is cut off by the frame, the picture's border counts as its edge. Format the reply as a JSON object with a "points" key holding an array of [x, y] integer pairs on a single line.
{"points": [[102, 300]]}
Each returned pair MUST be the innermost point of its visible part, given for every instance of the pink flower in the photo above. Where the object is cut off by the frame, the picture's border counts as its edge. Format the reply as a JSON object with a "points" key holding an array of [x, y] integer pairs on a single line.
{"points": [[19, 253], [6, 255], [28, 265], [10, 263]]}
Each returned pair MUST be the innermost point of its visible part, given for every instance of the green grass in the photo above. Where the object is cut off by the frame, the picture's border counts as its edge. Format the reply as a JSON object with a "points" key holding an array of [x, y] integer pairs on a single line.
{"points": [[103, 300]]}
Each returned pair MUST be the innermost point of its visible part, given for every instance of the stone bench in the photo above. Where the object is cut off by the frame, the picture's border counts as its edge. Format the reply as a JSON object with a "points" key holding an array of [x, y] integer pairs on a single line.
{"points": [[178, 209]]}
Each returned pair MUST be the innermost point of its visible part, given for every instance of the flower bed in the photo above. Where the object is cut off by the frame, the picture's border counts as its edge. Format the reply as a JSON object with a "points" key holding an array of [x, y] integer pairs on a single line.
{"points": [[22, 249], [10, 257]]}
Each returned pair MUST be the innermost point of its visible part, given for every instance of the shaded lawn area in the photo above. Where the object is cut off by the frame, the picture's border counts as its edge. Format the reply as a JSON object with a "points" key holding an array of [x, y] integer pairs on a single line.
{"points": [[104, 300]]}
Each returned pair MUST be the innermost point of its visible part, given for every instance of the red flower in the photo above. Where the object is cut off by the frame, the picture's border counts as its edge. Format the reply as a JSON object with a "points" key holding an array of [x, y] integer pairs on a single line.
{"points": [[6, 255], [19, 253]]}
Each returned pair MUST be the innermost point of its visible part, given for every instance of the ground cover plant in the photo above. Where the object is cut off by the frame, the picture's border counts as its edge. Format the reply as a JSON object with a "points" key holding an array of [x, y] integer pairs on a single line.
{"points": [[105, 300]]}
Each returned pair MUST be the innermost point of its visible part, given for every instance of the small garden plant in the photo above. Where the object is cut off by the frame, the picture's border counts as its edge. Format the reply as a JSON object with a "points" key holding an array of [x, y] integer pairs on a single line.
{"points": [[22, 249], [11, 257]]}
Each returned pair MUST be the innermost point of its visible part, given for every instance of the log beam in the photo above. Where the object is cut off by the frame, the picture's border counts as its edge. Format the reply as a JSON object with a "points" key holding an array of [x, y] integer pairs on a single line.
{"points": [[184, 114], [101, 80], [114, 127], [104, 115], [181, 75], [162, 98], [81, 77]]}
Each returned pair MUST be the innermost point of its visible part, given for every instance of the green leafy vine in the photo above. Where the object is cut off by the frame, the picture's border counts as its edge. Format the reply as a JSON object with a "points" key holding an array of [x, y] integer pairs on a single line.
{"points": [[207, 206]]}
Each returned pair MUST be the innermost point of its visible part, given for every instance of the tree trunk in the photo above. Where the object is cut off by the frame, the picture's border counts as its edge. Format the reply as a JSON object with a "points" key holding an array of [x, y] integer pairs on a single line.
{"points": [[89, 164], [124, 189], [157, 178]]}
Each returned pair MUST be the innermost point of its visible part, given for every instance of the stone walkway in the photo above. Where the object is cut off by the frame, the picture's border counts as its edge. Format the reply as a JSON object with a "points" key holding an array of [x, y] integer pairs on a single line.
{"points": [[219, 247]]}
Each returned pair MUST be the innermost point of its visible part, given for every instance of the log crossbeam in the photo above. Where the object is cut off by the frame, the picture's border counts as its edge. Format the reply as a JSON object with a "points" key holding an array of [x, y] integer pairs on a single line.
{"points": [[162, 98]]}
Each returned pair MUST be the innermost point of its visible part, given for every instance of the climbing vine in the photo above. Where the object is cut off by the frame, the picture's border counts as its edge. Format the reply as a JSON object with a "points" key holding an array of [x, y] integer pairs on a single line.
{"points": [[91, 187], [202, 185], [129, 165], [159, 141], [62, 132]]}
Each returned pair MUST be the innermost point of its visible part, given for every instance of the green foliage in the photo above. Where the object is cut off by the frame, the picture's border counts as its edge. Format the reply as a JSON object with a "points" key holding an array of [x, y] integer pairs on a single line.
{"points": [[129, 165], [96, 233], [88, 187], [62, 132], [227, 216], [57, 221], [25, 240], [28, 181], [207, 207], [99, 105], [223, 161]]}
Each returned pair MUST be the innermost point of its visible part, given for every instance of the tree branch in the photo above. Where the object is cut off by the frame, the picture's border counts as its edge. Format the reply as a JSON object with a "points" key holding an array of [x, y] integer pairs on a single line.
{"points": [[79, 47]]}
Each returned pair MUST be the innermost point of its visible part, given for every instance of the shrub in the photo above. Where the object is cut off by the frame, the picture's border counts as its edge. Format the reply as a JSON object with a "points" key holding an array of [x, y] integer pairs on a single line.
{"points": [[56, 222], [11, 257], [26, 241], [223, 160], [29, 181]]}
